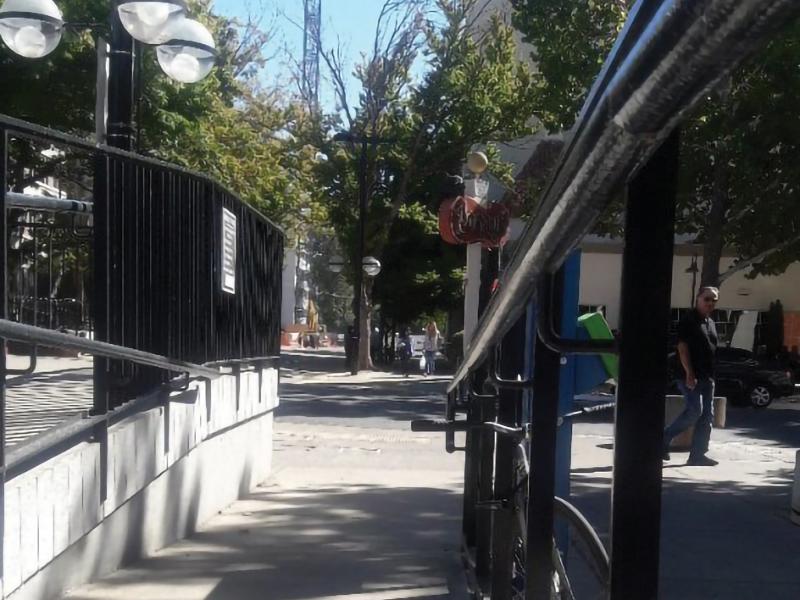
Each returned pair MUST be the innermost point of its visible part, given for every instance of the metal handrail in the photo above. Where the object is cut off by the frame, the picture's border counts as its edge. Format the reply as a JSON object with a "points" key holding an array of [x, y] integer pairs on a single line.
{"points": [[44, 203], [666, 59], [54, 339]]}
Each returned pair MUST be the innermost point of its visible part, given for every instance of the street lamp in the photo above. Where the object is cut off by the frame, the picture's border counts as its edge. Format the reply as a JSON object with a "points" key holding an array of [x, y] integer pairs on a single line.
{"points": [[148, 20], [188, 54], [31, 28], [185, 48], [694, 270], [371, 266], [336, 263]]}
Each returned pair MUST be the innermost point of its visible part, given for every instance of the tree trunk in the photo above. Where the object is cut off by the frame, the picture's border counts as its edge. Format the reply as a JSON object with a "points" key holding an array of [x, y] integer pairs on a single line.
{"points": [[715, 222], [365, 333]]}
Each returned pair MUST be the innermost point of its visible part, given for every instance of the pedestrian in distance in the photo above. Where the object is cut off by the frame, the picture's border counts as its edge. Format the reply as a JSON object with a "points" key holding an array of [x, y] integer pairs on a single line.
{"points": [[697, 343], [429, 347], [404, 351]]}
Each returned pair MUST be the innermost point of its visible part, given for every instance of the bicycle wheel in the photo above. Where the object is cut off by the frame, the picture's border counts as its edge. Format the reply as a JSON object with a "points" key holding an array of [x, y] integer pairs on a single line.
{"points": [[580, 567], [585, 560]]}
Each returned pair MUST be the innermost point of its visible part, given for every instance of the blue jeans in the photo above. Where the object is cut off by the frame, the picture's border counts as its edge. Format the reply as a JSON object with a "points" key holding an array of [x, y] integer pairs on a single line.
{"points": [[430, 362], [699, 412]]}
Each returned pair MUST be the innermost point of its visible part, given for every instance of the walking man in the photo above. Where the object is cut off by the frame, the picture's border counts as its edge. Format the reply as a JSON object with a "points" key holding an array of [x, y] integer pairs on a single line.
{"points": [[697, 343]]}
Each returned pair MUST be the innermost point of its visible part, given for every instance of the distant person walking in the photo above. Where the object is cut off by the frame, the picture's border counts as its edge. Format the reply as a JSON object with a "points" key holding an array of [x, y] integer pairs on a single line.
{"points": [[404, 350], [697, 343], [429, 346]]}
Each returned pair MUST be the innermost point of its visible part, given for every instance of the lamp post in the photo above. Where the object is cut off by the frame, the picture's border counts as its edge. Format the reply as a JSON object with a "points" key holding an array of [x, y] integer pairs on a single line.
{"points": [[363, 198], [185, 49], [694, 270]]}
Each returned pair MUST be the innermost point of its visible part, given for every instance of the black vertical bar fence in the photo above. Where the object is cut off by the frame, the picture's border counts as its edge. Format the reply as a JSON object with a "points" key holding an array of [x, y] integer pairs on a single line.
{"points": [[165, 244], [645, 310], [170, 263]]}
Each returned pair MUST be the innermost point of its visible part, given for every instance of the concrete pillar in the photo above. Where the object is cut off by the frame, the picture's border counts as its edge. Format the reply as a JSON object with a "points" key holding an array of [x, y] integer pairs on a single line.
{"points": [[288, 283], [478, 189]]}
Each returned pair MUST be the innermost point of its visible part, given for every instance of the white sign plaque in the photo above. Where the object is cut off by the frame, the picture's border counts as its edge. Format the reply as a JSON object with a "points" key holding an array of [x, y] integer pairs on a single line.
{"points": [[228, 251]]}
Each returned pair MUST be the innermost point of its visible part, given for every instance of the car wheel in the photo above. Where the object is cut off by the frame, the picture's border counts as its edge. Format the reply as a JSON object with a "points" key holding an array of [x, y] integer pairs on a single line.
{"points": [[760, 396]]}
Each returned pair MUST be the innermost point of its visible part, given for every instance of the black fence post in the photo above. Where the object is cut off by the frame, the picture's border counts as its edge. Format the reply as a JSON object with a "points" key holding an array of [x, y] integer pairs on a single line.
{"points": [[645, 316], [471, 448], [100, 289], [509, 412], [487, 410], [542, 480]]}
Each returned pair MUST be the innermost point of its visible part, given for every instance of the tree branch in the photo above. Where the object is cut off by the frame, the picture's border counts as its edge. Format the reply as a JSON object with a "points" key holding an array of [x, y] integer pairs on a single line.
{"points": [[743, 264]]}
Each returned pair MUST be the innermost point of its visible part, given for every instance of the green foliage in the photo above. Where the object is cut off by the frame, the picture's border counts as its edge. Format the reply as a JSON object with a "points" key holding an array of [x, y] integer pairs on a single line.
{"points": [[224, 126], [739, 150], [474, 91], [421, 275], [571, 39]]}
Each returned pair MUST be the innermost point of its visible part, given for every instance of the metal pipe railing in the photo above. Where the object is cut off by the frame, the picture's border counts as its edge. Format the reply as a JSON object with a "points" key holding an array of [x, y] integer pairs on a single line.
{"points": [[54, 339], [44, 203], [668, 56]]}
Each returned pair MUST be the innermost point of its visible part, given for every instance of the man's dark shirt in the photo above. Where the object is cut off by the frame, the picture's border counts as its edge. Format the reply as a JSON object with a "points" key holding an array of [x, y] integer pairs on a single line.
{"points": [[700, 336]]}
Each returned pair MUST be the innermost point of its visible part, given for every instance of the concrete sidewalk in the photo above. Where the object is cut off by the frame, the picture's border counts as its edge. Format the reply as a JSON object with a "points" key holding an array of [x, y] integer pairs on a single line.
{"points": [[726, 532], [357, 508]]}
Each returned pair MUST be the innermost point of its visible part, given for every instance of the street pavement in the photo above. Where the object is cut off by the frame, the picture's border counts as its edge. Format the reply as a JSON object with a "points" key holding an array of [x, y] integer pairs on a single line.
{"points": [[59, 390], [725, 531], [359, 508]]}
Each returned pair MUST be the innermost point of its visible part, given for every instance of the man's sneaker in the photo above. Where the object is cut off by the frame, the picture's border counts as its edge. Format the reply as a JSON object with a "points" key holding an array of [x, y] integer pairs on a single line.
{"points": [[665, 453], [701, 461]]}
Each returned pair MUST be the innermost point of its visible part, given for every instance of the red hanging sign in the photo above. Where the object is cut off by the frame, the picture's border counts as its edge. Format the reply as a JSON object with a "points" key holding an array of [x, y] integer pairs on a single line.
{"points": [[463, 220]]}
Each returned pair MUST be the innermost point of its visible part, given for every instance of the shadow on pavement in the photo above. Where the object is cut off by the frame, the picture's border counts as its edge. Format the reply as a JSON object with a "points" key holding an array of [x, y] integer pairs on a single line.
{"points": [[778, 423], [399, 400], [719, 539], [309, 543]]}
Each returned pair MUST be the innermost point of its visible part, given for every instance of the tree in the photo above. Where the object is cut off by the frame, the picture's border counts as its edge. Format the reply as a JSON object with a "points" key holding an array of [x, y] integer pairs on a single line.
{"points": [[226, 126], [423, 276], [474, 91], [739, 157]]}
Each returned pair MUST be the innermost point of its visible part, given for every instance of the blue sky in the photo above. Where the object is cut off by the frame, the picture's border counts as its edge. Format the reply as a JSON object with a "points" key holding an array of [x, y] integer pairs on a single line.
{"points": [[353, 21]]}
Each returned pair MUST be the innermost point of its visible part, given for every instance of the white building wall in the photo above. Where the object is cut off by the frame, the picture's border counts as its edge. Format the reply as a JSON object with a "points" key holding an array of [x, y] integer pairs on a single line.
{"points": [[168, 469], [601, 278]]}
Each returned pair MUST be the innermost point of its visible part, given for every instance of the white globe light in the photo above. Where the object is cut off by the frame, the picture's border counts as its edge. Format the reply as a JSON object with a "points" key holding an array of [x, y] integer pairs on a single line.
{"points": [[189, 53], [185, 68], [30, 41], [149, 20], [371, 265], [153, 14], [336, 264], [31, 28], [477, 162]]}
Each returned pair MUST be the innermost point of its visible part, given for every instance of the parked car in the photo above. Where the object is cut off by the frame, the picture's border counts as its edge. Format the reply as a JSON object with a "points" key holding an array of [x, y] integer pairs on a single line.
{"points": [[743, 380]]}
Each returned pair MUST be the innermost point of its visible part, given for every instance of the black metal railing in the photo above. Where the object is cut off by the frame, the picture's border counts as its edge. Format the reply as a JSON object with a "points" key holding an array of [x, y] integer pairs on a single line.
{"points": [[670, 53], [133, 252], [159, 265]]}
